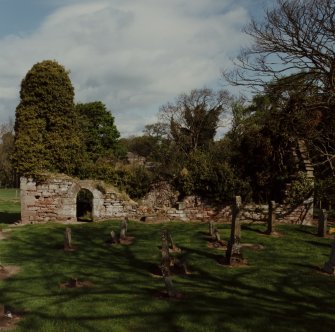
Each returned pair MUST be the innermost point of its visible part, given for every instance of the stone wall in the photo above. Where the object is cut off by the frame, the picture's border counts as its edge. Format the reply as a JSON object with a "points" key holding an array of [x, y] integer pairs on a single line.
{"points": [[55, 199], [192, 208]]}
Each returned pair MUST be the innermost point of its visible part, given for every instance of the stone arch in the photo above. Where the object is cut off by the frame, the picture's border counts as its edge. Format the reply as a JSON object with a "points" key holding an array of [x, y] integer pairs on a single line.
{"points": [[54, 198], [84, 205], [96, 197]]}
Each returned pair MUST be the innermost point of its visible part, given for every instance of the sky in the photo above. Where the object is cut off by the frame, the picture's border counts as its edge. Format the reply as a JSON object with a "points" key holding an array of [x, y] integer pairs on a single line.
{"points": [[132, 55]]}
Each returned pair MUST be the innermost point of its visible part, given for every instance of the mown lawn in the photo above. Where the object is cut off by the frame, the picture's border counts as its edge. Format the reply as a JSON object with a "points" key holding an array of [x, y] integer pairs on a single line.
{"points": [[281, 289], [9, 206]]}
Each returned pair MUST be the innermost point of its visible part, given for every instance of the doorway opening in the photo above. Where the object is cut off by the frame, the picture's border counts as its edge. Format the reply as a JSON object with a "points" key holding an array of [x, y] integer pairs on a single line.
{"points": [[84, 205]]}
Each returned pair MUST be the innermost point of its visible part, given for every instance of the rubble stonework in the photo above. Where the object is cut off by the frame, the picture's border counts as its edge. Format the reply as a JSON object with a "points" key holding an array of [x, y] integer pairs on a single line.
{"points": [[55, 199]]}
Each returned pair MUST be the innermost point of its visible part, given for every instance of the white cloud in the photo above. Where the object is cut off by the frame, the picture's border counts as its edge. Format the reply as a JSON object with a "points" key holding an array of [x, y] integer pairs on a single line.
{"points": [[133, 55]]}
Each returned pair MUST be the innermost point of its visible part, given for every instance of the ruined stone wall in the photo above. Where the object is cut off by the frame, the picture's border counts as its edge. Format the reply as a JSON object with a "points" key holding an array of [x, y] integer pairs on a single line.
{"points": [[55, 199], [301, 214]]}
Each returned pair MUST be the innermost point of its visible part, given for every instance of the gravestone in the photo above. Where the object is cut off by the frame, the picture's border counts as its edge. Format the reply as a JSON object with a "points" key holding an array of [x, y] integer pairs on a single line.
{"points": [[170, 240], [73, 282], [166, 259], [167, 239], [67, 239], [211, 227], [124, 223], [166, 264], [181, 264], [271, 218], [322, 223], [217, 235], [124, 228], [168, 281], [233, 253], [113, 237], [329, 266]]}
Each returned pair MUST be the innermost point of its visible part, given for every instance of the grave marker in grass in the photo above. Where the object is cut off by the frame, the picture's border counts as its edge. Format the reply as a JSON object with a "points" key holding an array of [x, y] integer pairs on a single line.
{"points": [[329, 266], [322, 223], [233, 253], [211, 227], [68, 239], [271, 218]]}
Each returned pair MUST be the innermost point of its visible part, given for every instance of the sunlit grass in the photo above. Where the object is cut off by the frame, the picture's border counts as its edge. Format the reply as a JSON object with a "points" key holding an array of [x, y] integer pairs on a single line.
{"points": [[281, 288], [9, 206]]}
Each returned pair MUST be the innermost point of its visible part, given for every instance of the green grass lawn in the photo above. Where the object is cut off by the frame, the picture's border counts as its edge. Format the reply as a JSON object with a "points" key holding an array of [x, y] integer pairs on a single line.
{"points": [[280, 290], [9, 206]]}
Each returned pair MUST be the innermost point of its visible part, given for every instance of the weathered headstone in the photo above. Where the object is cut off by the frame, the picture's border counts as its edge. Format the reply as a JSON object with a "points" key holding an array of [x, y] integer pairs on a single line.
{"points": [[124, 223], [329, 266], [233, 253], [166, 263], [168, 280], [124, 228], [271, 218], [67, 239], [167, 238], [170, 240], [322, 223], [166, 259], [113, 237], [73, 282], [217, 235], [181, 264], [211, 227]]}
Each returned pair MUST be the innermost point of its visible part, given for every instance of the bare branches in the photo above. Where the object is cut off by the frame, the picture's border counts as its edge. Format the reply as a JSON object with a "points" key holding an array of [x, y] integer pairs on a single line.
{"points": [[295, 36], [194, 118]]}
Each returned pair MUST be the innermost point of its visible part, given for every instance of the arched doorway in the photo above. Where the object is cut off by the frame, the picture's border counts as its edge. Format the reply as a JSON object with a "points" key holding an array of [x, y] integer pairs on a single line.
{"points": [[84, 205]]}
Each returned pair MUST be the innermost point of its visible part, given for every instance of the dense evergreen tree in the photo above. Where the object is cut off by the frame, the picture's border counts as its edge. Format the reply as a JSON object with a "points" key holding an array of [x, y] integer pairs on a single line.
{"points": [[46, 130]]}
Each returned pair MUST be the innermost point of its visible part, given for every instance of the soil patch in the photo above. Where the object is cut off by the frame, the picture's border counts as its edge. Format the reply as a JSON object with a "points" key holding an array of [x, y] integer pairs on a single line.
{"points": [[319, 270], [253, 246], [76, 283], [163, 295], [127, 240], [3, 235], [273, 234], [234, 263], [9, 320], [221, 245], [6, 271]]}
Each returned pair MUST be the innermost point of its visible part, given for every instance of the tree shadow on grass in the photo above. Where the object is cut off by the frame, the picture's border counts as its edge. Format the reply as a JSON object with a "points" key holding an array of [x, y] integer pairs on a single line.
{"points": [[216, 299], [9, 217]]}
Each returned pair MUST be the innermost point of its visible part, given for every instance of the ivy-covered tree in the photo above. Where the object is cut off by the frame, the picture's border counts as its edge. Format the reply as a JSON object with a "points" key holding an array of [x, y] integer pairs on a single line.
{"points": [[46, 129]]}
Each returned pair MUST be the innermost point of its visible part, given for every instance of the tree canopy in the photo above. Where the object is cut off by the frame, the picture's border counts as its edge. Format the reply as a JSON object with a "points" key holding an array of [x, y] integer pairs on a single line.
{"points": [[46, 131], [296, 36], [194, 118], [100, 135]]}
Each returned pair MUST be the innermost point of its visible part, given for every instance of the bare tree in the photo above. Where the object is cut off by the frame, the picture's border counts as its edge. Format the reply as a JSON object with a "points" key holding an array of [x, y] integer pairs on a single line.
{"points": [[294, 46], [295, 37], [194, 118]]}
